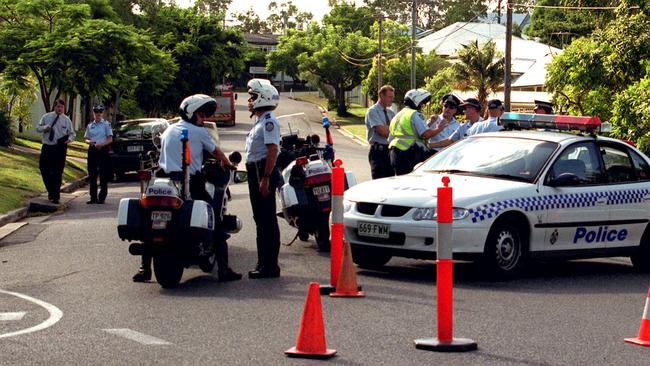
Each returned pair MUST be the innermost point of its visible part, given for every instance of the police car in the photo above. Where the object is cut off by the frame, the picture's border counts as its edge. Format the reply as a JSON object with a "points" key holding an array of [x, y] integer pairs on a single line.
{"points": [[517, 195]]}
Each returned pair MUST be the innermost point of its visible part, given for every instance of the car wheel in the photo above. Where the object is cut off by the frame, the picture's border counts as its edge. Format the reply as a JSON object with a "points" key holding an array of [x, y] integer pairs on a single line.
{"points": [[505, 250], [369, 258], [641, 257], [168, 270]]}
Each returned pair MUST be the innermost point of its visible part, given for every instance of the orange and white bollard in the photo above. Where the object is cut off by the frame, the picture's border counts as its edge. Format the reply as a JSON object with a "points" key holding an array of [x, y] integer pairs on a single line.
{"points": [[445, 342], [643, 339], [336, 242]]}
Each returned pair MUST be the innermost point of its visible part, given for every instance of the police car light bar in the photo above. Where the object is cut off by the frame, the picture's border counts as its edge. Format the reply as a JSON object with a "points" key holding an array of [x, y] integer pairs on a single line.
{"points": [[550, 121]]}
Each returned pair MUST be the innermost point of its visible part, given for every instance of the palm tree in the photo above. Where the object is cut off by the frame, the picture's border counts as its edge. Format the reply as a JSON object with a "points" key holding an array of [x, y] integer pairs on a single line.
{"points": [[480, 69]]}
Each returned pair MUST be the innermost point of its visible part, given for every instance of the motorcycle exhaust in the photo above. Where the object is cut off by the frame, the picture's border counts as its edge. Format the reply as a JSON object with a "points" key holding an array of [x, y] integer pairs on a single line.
{"points": [[136, 249]]}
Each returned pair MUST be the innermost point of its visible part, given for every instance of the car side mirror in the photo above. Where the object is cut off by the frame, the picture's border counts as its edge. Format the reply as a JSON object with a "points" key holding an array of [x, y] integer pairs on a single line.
{"points": [[565, 179], [240, 176]]}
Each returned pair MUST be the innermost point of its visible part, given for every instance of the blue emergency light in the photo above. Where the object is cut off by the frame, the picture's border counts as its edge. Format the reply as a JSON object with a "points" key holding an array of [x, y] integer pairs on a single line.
{"points": [[550, 121]]}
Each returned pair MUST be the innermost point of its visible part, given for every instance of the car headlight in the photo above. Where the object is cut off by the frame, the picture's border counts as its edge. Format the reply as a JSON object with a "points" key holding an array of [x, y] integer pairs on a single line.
{"points": [[347, 205], [429, 213]]}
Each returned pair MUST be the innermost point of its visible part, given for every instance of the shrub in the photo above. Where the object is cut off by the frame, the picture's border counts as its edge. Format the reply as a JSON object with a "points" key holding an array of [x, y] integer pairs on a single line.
{"points": [[6, 129]]}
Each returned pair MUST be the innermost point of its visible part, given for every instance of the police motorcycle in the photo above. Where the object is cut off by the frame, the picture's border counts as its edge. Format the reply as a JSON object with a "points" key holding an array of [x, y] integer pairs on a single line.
{"points": [[175, 230], [305, 197]]}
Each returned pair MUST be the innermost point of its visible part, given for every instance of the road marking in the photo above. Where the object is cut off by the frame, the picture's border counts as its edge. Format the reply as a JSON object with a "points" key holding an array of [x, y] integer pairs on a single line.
{"points": [[137, 336], [55, 315], [292, 115], [12, 316]]}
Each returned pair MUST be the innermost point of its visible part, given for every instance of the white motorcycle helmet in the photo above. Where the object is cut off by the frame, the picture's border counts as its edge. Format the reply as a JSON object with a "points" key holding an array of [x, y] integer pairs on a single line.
{"points": [[416, 98], [197, 103], [263, 94]]}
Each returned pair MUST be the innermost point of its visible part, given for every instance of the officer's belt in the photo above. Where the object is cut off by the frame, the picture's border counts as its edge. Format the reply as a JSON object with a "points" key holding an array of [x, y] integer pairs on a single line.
{"points": [[379, 146]]}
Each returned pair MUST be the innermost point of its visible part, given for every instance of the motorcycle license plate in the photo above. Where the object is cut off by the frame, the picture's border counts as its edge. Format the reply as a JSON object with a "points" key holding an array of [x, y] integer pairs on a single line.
{"points": [[322, 193], [135, 148], [159, 219]]}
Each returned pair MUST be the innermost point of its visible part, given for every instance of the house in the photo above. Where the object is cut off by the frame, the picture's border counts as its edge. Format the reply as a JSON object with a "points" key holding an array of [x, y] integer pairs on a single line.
{"points": [[266, 43]]}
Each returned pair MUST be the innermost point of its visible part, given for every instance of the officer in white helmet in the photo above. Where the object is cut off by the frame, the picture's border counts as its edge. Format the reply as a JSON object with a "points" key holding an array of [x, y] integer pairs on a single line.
{"points": [[409, 132], [262, 148], [193, 111]]}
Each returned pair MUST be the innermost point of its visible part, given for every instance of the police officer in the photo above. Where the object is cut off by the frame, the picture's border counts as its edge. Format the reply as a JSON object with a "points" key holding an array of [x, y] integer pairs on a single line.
{"points": [[57, 132], [409, 132], [263, 178], [472, 109], [193, 110], [450, 104], [495, 110], [542, 107], [377, 127], [98, 136]]}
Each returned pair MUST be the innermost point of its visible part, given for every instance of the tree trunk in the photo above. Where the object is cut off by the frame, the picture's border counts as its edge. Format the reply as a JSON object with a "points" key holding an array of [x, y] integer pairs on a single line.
{"points": [[341, 108]]}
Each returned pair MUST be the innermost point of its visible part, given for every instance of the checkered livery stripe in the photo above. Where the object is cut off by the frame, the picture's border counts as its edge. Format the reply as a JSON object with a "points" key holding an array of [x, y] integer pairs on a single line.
{"points": [[555, 201]]}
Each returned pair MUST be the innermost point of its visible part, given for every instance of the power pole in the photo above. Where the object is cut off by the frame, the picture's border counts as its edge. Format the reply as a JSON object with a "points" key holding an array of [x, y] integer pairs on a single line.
{"points": [[285, 17], [508, 66], [380, 60], [414, 16]]}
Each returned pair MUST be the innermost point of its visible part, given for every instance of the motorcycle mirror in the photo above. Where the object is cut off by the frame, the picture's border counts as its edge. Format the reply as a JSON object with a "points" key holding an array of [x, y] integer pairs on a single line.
{"points": [[235, 157], [240, 176]]}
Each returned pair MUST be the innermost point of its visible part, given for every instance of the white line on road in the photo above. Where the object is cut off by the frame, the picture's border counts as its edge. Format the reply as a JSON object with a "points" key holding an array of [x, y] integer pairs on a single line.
{"points": [[137, 336], [55, 315], [292, 115], [12, 316]]}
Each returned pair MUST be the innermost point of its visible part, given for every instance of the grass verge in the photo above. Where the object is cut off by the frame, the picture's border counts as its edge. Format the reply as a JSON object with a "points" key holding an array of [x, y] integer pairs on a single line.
{"points": [[33, 141], [21, 178]]}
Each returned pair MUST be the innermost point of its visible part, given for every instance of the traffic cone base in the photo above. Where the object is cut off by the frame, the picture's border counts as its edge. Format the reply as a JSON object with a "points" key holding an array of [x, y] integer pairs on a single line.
{"points": [[643, 338], [455, 345], [347, 280], [638, 341], [311, 335]]}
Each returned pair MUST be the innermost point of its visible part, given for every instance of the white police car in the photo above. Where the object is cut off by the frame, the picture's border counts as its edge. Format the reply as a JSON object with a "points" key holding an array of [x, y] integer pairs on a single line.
{"points": [[517, 195]]}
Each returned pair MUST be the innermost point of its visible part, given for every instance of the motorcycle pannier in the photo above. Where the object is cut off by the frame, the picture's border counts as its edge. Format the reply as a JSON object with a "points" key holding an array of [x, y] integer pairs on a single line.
{"points": [[129, 219]]}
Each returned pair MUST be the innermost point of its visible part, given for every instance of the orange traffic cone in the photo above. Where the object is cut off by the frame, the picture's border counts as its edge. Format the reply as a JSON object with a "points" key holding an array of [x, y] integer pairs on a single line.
{"points": [[643, 339], [311, 336], [346, 286]]}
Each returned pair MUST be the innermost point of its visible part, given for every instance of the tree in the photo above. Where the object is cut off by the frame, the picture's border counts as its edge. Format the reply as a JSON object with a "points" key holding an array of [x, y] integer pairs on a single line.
{"points": [[250, 22], [286, 11], [395, 75], [630, 117], [432, 14], [480, 69], [440, 83], [285, 57], [214, 8], [559, 27]]}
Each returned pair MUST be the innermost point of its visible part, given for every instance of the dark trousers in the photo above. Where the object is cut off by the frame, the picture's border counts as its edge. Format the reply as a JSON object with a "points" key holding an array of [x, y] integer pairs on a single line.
{"points": [[379, 158], [266, 222], [98, 165], [404, 161], [51, 163]]}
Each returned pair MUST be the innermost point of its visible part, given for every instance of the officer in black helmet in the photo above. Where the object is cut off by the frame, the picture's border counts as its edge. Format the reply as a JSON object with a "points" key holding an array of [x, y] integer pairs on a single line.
{"points": [[542, 107], [193, 110]]}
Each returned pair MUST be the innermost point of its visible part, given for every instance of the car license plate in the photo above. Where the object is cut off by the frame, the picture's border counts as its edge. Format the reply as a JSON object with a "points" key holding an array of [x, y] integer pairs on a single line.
{"points": [[322, 193], [373, 229], [134, 148]]}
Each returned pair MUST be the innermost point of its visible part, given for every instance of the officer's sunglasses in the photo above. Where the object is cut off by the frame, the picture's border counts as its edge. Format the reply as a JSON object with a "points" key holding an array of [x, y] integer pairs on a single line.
{"points": [[252, 96], [449, 106]]}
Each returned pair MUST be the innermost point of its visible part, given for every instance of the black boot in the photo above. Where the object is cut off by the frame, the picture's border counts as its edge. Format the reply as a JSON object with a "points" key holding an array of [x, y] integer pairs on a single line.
{"points": [[144, 274], [224, 273]]}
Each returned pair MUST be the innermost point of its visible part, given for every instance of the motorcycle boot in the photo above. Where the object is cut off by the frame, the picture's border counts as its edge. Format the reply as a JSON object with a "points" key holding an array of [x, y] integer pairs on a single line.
{"points": [[261, 271], [144, 273], [224, 273]]}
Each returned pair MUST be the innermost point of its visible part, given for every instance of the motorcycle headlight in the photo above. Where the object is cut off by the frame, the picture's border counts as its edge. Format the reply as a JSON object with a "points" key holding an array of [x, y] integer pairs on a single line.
{"points": [[347, 205], [429, 213]]}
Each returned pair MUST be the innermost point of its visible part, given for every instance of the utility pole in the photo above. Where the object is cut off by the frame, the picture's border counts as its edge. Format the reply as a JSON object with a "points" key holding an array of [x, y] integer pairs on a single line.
{"points": [[508, 66], [285, 17], [414, 18], [380, 60]]}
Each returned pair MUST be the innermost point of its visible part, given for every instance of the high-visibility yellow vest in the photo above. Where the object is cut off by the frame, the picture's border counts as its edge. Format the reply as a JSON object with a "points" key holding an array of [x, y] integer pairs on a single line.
{"points": [[401, 130]]}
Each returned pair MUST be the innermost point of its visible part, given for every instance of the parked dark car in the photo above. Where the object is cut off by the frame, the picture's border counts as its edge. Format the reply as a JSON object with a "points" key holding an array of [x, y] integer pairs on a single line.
{"points": [[133, 139]]}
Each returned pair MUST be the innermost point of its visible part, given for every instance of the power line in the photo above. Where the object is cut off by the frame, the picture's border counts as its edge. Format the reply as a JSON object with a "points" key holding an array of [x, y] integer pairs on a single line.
{"points": [[570, 7]]}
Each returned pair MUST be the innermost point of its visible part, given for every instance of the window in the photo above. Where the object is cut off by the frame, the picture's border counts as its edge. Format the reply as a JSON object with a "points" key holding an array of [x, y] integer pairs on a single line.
{"points": [[580, 160], [641, 166], [618, 166]]}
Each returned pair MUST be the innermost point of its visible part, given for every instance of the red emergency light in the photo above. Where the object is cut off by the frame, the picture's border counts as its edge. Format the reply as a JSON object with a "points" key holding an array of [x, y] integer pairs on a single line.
{"points": [[550, 121]]}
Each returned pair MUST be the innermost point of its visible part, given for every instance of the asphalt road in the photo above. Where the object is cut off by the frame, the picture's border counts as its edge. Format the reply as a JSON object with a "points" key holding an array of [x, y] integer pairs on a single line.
{"points": [[73, 267]]}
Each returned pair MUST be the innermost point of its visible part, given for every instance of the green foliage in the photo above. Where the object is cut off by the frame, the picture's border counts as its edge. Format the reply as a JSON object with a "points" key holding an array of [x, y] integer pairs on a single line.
{"points": [[285, 57], [6, 129], [440, 83], [348, 18], [397, 73], [559, 27], [250, 22], [631, 113], [432, 14], [286, 11], [480, 69]]}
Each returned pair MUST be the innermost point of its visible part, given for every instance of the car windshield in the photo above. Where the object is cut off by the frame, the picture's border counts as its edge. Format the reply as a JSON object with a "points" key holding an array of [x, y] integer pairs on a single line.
{"points": [[500, 157], [134, 130]]}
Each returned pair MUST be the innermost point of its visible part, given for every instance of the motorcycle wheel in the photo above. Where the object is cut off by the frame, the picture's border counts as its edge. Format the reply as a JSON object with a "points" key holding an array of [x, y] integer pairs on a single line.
{"points": [[206, 263], [168, 270], [323, 233]]}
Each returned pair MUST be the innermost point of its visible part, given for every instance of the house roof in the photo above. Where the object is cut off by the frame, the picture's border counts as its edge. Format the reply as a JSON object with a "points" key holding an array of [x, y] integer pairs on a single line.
{"points": [[521, 19], [448, 40], [262, 39]]}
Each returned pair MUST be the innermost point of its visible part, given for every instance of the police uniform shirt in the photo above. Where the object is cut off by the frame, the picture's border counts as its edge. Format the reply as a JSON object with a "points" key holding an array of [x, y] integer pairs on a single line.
{"points": [[490, 125], [448, 131], [265, 131], [98, 132], [171, 151], [463, 130], [376, 117], [63, 127], [419, 125]]}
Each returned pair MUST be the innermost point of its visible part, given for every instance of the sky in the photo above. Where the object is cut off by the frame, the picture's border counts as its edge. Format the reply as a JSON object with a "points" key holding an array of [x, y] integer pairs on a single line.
{"points": [[317, 7]]}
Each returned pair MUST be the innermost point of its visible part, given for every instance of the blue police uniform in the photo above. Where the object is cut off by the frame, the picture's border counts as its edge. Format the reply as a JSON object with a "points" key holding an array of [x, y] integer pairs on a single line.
{"points": [[489, 125], [98, 161], [265, 131], [378, 156]]}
